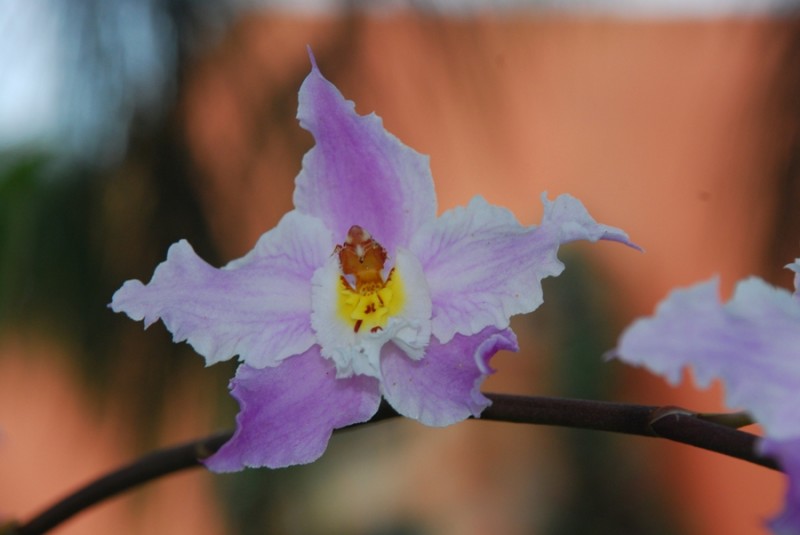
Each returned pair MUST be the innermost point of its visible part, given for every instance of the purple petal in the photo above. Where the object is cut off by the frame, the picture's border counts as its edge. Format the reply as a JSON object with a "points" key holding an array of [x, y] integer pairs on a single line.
{"points": [[358, 173], [752, 343], [258, 307], [289, 412], [443, 387], [483, 267], [787, 452], [566, 220]]}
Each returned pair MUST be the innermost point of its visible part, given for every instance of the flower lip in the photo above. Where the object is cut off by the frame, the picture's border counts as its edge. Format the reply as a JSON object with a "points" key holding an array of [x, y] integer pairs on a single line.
{"points": [[364, 295], [363, 258], [352, 323]]}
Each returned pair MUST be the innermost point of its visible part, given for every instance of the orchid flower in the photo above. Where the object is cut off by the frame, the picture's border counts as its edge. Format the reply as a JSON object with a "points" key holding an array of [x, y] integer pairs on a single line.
{"points": [[751, 343], [359, 293]]}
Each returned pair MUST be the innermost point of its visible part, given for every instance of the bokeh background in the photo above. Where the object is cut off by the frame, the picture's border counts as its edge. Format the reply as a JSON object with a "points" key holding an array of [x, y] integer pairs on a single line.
{"points": [[126, 125]]}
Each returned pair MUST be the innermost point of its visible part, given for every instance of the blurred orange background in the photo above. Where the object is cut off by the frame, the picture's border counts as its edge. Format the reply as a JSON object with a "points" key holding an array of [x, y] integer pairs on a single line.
{"points": [[671, 130]]}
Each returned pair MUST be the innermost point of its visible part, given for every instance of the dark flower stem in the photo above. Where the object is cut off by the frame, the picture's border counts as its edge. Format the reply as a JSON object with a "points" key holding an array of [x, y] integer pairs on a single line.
{"points": [[670, 423]]}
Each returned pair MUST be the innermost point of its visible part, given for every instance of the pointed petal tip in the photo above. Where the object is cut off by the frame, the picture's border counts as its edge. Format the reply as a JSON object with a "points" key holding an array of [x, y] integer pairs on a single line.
{"points": [[621, 237], [570, 215], [312, 58], [355, 158]]}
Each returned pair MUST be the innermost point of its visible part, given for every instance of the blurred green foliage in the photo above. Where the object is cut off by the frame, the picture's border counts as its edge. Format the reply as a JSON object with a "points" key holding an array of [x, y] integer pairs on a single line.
{"points": [[66, 245], [49, 276], [611, 488]]}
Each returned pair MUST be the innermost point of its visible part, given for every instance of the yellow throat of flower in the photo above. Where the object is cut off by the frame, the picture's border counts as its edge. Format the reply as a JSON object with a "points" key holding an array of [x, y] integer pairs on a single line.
{"points": [[372, 301]]}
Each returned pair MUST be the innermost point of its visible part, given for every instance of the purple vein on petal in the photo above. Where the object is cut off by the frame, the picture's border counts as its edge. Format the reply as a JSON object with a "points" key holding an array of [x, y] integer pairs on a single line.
{"points": [[257, 307], [288, 413], [358, 173]]}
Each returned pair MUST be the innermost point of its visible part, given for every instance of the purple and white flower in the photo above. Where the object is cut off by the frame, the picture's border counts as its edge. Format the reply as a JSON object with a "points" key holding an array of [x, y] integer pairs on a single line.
{"points": [[751, 343], [359, 292]]}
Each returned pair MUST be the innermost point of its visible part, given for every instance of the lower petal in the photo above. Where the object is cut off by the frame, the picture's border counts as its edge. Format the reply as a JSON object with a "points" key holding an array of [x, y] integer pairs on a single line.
{"points": [[289, 412], [444, 387], [787, 453]]}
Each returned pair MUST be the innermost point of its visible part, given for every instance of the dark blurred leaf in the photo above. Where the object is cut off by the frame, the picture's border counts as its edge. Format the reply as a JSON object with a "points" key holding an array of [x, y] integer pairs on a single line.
{"points": [[611, 492]]}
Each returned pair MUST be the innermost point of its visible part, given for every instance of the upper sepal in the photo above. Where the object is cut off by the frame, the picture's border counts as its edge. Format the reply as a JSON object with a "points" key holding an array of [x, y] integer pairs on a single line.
{"points": [[357, 172]]}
